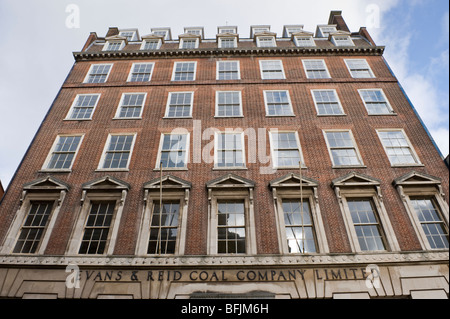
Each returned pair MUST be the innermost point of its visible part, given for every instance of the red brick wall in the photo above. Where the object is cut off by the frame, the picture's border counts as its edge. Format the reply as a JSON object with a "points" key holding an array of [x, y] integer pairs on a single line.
{"points": [[149, 128]]}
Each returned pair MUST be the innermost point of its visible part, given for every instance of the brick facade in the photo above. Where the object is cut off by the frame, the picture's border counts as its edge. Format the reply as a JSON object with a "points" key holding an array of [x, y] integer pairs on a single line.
{"points": [[152, 123]]}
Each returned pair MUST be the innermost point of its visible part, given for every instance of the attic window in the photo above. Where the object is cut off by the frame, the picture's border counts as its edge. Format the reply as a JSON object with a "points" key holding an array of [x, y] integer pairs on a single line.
{"points": [[130, 35], [342, 40], [324, 31], [116, 45], [266, 41], [304, 41]]}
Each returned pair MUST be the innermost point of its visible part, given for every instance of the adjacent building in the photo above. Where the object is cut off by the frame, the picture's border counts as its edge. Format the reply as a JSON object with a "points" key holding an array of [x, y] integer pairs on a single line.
{"points": [[279, 165]]}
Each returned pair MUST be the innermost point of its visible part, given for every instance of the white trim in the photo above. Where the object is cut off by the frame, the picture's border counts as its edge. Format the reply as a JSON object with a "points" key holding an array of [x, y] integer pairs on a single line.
{"points": [[52, 150], [228, 61], [144, 42], [280, 64], [406, 192], [267, 108], [77, 235], [368, 68], [119, 108], [68, 118], [250, 231], [130, 74], [355, 146], [299, 148], [349, 40], [109, 42], [182, 40], [216, 148], [387, 232], [217, 104], [144, 234], [166, 113], [175, 67], [135, 36], [187, 156], [388, 104], [15, 229], [90, 70], [220, 38], [338, 101], [258, 41], [413, 152], [316, 60], [105, 148], [310, 38]]}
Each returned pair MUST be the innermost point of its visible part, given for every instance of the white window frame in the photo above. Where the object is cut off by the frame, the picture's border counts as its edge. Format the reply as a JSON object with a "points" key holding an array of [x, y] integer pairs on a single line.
{"points": [[217, 104], [216, 153], [144, 42], [272, 150], [355, 147], [187, 156], [105, 149], [220, 39], [90, 70], [273, 41], [181, 62], [75, 101], [226, 29], [232, 61], [130, 75], [338, 101], [88, 198], [363, 191], [153, 197], [119, 108], [182, 40], [267, 107], [111, 42], [368, 68], [261, 62], [425, 190], [321, 32], [348, 42], [413, 152], [52, 150], [312, 43], [159, 32], [169, 97], [388, 104], [134, 37], [250, 235], [316, 60]]}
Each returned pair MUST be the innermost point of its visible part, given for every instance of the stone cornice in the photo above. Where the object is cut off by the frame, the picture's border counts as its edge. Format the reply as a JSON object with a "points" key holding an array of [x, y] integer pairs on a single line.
{"points": [[227, 261], [118, 55]]}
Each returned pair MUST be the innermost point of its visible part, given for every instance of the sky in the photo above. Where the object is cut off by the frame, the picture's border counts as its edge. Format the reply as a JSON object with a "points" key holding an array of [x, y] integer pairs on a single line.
{"points": [[39, 37]]}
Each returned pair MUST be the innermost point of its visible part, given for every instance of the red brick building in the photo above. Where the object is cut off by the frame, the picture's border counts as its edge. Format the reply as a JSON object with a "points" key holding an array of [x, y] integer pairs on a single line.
{"points": [[226, 122]]}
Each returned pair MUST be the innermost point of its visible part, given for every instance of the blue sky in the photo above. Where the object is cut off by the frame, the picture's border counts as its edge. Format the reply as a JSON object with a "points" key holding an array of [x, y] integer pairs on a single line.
{"points": [[37, 48]]}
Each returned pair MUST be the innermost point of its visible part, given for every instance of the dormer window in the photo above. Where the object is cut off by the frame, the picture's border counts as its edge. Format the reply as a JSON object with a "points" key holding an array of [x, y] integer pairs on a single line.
{"points": [[115, 43], [131, 35], [196, 31], [303, 39], [266, 40], [254, 29], [189, 42], [341, 40], [288, 30], [323, 31], [227, 29], [163, 32], [152, 42]]}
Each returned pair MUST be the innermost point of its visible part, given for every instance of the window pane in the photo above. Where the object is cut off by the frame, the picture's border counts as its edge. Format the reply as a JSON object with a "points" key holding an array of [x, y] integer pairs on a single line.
{"points": [[34, 226], [231, 227], [164, 228], [97, 228], [299, 228], [366, 224]]}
